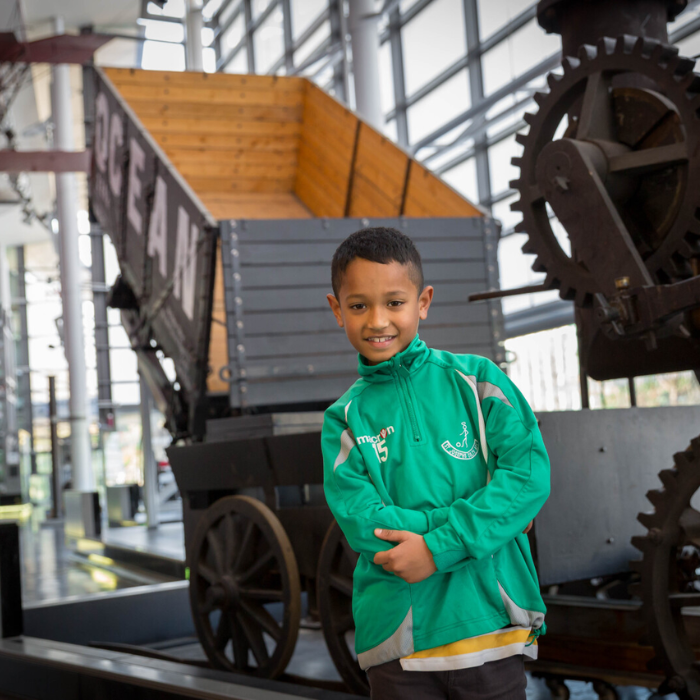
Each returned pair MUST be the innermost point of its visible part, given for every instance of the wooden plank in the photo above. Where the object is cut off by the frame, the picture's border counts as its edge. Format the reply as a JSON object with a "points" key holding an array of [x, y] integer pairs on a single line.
{"points": [[241, 157], [223, 142], [218, 343], [256, 206], [331, 179], [317, 124], [133, 76], [211, 96], [367, 200], [204, 185], [253, 171], [382, 164], [310, 192], [194, 110], [340, 116], [221, 126], [427, 195]]}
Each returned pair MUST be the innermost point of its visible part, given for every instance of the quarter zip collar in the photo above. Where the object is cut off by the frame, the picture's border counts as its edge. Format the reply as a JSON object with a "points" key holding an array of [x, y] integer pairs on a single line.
{"points": [[410, 360]]}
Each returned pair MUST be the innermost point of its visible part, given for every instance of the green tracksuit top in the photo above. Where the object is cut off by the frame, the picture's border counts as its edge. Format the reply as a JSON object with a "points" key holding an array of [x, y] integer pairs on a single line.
{"points": [[444, 446]]}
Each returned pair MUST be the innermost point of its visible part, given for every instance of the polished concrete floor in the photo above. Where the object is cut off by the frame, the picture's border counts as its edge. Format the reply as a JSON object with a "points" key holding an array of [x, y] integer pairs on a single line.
{"points": [[51, 572]]}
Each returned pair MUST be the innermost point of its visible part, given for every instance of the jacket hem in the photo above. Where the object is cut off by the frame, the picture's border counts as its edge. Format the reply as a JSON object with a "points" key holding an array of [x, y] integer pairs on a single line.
{"points": [[459, 631]]}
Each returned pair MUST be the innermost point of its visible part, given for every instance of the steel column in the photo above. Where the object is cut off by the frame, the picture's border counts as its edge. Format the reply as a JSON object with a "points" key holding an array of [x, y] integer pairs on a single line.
{"points": [[193, 41], [24, 386], [338, 33], [399, 78], [57, 506], [71, 269], [250, 49], [364, 32], [288, 36], [476, 90]]}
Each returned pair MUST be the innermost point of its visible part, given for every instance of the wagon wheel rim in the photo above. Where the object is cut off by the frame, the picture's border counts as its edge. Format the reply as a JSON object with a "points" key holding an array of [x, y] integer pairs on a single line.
{"points": [[241, 563], [334, 583]]}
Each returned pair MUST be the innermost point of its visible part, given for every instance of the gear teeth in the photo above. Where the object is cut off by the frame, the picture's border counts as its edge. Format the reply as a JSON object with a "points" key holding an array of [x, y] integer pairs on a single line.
{"points": [[606, 45], [552, 80], [586, 52], [517, 205], [528, 248], [540, 98], [518, 163], [514, 184], [570, 63], [642, 543], [643, 47], [583, 298], [529, 117], [567, 293], [538, 265], [663, 53], [647, 519], [656, 497], [682, 461], [520, 227], [625, 44], [681, 66], [521, 139], [668, 479], [695, 446]]}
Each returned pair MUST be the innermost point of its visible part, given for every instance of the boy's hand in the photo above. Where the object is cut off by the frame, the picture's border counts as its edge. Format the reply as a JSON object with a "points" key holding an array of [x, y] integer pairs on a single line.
{"points": [[528, 528], [410, 560]]}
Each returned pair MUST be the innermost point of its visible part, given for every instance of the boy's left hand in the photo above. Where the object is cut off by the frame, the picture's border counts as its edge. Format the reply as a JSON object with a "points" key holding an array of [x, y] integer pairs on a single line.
{"points": [[411, 559]]}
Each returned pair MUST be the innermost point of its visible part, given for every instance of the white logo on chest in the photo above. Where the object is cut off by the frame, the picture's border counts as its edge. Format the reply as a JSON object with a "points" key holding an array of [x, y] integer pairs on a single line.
{"points": [[464, 453]]}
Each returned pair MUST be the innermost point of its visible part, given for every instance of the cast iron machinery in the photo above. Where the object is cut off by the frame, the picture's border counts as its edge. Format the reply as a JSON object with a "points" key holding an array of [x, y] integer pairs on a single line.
{"points": [[613, 153]]}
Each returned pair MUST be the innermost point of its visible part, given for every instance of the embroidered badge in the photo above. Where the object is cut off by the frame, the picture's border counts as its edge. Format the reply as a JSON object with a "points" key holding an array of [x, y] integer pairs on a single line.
{"points": [[464, 453]]}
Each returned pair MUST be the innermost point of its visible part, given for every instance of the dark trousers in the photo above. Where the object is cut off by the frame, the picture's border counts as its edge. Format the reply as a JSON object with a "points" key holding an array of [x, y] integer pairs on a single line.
{"points": [[496, 680]]}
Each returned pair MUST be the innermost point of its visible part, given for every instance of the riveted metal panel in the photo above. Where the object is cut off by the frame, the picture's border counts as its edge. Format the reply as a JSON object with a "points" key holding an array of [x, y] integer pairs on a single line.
{"points": [[284, 344], [603, 464]]}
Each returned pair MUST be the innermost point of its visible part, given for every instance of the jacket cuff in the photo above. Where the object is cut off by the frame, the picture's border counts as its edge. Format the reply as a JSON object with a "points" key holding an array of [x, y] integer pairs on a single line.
{"points": [[445, 546]]}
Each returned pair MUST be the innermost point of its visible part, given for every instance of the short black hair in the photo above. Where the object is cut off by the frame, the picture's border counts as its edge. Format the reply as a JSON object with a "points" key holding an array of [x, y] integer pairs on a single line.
{"points": [[381, 245]]}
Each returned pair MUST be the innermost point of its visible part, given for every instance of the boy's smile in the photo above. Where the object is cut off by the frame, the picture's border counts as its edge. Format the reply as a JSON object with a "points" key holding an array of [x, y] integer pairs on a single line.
{"points": [[380, 307]]}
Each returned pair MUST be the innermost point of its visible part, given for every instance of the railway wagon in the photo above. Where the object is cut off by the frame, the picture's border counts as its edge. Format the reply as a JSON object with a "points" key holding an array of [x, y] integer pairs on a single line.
{"points": [[225, 197]]}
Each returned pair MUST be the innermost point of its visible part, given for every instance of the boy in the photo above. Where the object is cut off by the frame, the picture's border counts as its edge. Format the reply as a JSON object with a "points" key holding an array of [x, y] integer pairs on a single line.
{"points": [[441, 454]]}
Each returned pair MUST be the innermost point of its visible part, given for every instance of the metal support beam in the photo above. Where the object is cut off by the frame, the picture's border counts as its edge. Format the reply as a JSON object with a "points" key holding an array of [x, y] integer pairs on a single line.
{"points": [[476, 90], [338, 34], [363, 23], [67, 206], [250, 28], [399, 78], [25, 412], [56, 481], [288, 36], [193, 42], [44, 161]]}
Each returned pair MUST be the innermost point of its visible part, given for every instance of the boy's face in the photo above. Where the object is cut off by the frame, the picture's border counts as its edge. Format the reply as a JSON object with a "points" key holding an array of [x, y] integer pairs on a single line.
{"points": [[380, 307]]}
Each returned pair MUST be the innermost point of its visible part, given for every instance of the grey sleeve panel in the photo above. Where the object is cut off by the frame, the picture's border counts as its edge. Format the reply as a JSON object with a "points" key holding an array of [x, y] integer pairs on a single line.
{"points": [[491, 391]]}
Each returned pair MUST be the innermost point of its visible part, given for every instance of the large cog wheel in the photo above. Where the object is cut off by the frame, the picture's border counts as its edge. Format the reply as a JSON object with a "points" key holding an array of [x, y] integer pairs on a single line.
{"points": [[668, 580], [652, 98]]}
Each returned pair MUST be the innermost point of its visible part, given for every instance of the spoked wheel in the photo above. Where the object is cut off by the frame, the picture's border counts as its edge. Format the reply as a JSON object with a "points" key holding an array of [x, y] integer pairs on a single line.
{"points": [[245, 592], [669, 572], [334, 584]]}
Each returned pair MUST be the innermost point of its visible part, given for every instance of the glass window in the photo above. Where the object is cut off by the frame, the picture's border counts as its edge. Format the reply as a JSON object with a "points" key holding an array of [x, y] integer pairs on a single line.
{"points": [[501, 211], [269, 42], [441, 105], [494, 15], [227, 12], [312, 43], [433, 40], [463, 179], [386, 78], [159, 56], [517, 54], [209, 60], [210, 9], [172, 8], [258, 7], [239, 64], [163, 31], [304, 12], [233, 35], [502, 172]]}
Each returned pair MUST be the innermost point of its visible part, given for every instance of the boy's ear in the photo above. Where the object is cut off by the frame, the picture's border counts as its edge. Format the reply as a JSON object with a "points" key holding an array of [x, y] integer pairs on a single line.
{"points": [[424, 300], [335, 308]]}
